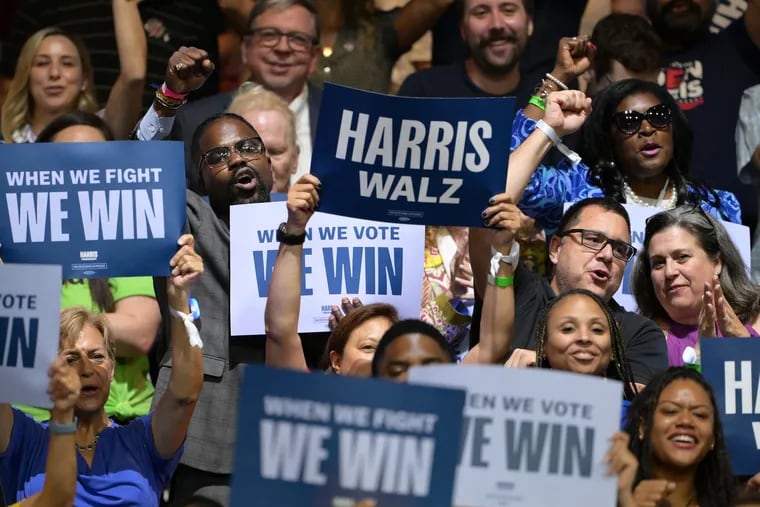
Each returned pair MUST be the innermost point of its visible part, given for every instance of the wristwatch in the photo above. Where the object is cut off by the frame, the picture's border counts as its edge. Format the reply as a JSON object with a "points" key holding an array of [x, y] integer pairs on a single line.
{"points": [[289, 239], [63, 429]]}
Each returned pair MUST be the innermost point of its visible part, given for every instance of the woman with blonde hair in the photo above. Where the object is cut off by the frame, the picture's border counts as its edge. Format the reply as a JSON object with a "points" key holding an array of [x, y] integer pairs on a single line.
{"points": [[54, 76]]}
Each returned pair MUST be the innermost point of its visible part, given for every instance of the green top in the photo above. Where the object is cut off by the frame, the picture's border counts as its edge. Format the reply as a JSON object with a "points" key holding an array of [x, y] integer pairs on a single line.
{"points": [[131, 389]]}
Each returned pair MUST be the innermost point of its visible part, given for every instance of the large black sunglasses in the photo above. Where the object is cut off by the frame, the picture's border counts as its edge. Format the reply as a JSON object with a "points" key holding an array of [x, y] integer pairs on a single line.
{"points": [[596, 240], [629, 122]]}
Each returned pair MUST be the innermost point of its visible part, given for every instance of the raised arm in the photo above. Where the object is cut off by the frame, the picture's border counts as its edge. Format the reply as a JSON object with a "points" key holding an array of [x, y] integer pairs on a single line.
{"points": [[574, 56], [186, 71], [125, 99], [498, 313], [175, 408], [565, 113], [61, 465], [283, 345], [417, 17]]}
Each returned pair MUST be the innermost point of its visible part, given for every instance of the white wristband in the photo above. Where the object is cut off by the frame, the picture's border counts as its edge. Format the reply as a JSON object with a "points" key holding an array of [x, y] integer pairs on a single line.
{"points": [[556, 81], [511, 258], [557, 142], [192, 332]]}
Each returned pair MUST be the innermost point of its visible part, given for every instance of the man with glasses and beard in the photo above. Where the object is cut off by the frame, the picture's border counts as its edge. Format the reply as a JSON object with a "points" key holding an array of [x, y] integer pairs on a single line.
{"points": [[233, 168], [496, 33], [589, 251], [707, 74]]}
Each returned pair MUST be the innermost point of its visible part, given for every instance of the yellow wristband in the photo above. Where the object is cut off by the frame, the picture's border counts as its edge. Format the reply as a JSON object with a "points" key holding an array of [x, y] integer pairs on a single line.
{"points": [[504, 281]]}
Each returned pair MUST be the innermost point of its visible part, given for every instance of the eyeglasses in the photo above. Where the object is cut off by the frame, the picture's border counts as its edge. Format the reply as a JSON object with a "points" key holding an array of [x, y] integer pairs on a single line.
{"points": [[695, 207], [597, 241], [629, 122], [270, 37], [250, 147]]}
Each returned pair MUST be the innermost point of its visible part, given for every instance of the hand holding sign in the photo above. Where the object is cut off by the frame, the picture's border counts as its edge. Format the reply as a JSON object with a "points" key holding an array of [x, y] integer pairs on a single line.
{"points": [[187, 70], [521, 358], [566, 111], [303, 199], [186, 266], [64, 385], [504, 217], [338, 312]]}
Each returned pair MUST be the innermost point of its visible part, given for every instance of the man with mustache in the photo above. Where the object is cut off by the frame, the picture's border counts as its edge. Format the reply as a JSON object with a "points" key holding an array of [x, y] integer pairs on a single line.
{"points": [[707, 75], [233, 168], [496, 33]]}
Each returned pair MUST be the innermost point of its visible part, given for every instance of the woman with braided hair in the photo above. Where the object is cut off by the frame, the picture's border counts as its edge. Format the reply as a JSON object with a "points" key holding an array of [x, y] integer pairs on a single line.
{"points": [[576, 332]]}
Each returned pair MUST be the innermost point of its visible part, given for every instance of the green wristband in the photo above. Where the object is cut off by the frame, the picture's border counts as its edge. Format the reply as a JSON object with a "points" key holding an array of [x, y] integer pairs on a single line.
{"points": [[538, 102], [504, 281]]}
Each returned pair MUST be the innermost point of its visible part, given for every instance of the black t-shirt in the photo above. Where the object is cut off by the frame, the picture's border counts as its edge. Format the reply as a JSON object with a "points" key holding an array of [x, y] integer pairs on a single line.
{"points": [[169, 24], [644, 342], [708, 81], [452, 81]]}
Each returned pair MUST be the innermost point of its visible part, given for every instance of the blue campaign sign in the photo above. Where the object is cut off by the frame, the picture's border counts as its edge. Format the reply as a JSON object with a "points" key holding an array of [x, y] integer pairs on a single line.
{"points": [[414, 160], [333, 441], [98, 209], [732, 367]]}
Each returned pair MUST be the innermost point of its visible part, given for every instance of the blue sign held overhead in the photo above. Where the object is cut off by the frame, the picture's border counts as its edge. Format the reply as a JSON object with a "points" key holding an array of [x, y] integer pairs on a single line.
{"points": [[732, 367], [98, 209], [331, 441], [421, 161]]}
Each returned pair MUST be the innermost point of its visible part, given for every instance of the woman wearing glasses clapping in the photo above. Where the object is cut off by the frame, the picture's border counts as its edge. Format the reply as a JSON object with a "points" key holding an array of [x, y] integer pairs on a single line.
{"points": [[691, 280], [635, 147]]}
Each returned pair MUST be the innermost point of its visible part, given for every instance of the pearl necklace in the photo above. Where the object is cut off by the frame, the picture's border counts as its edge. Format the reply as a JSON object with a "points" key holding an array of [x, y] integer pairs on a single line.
{"points": [[661, 202]]}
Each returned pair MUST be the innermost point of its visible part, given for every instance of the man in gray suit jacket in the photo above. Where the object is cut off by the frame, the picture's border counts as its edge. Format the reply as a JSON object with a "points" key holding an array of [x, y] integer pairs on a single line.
{"points": [[233, 169], [280, 50]]}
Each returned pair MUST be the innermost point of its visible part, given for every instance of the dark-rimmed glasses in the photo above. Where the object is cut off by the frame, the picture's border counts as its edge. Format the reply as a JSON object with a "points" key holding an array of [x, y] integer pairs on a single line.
{"points": [[596, 241], [248, 148], [629, 122], [270, 37]]}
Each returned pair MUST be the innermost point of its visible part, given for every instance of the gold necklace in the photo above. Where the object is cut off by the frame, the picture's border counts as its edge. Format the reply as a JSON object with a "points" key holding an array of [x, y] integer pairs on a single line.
{"points": [[89, 447]]}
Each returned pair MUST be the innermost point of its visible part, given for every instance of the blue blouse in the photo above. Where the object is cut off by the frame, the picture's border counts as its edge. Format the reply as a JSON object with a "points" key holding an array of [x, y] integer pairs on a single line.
{"points": [[550, 187]]}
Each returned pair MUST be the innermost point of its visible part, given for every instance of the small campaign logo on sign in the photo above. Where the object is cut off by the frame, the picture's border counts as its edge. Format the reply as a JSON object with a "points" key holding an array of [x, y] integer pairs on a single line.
{"points": [[88, 255]]}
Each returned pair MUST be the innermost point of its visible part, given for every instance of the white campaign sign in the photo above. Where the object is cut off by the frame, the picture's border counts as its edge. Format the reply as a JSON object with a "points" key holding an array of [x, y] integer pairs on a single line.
{"points": [[639, 214], [30, 315], [375, 261], [531, 437]]}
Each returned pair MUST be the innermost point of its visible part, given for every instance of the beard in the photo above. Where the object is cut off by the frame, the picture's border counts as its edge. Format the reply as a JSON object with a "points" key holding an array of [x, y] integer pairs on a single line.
{"points": [[684, 28], [479, 53], [259, 194]]}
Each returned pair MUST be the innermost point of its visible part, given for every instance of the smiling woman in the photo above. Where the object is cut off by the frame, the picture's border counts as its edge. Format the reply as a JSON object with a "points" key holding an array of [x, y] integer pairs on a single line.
{"points": [[691, 280], [54, 76], [677, 438]]}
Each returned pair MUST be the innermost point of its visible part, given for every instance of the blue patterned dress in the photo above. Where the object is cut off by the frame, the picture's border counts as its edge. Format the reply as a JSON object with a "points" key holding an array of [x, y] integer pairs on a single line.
{"points": [[550, 187]]}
